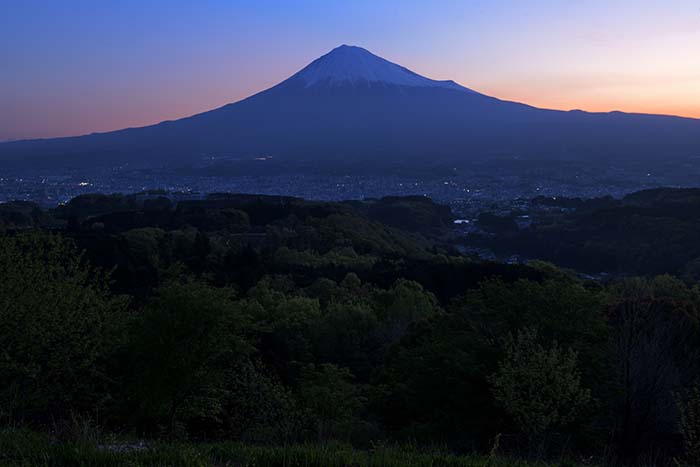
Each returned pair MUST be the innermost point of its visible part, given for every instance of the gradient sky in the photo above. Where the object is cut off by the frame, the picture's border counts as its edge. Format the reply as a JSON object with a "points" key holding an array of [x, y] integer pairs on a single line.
{"points": [[72, 67]]}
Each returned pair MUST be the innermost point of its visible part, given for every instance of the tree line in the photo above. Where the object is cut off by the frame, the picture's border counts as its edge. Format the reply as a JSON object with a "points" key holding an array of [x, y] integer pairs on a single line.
{"points": [[276, 320]]}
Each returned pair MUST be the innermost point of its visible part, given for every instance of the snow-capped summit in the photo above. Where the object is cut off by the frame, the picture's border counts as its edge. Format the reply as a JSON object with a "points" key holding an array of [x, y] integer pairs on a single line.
{"points": [[355, 66], [353, 110]]}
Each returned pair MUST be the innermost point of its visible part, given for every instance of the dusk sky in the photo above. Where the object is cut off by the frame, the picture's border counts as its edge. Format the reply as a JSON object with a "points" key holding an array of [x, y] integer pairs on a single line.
{"points": [[74, 67]]}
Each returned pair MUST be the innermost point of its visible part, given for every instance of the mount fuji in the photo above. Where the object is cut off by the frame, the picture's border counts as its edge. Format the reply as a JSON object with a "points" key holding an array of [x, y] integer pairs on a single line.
{"points": [[354, 66], [352, 107]]}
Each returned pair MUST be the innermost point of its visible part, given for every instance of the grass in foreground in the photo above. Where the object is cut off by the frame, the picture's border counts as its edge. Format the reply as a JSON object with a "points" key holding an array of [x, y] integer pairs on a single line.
{"points": [[25, 448]]}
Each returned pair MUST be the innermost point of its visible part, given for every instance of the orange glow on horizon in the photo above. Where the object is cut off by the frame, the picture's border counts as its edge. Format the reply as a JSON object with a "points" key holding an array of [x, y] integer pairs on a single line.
{"points": [[125, 64], [672, 105]]}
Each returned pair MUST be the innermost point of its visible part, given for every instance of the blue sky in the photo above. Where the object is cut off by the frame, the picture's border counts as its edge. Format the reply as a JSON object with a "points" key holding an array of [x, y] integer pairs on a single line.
{"points": [[73, 67]]}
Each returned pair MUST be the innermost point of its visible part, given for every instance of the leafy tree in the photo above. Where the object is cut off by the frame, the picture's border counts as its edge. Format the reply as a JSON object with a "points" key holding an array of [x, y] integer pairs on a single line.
{"points": [[435, 379], [330, 399], [560, 308], [539, 388], [351, 282], [58, 327], [433, 385], [348, 335], [186, 341], [654, 353], [405, 303], [145, 253], [284, 326], [258, 407]]}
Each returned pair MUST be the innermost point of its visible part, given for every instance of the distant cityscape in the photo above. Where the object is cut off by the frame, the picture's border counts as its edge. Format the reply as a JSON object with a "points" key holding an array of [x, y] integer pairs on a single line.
{"points": [[465, 191]]}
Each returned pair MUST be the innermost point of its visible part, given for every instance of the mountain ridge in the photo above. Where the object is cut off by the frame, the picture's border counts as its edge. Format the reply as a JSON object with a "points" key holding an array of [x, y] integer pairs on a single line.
{"points": [[350, 104]]}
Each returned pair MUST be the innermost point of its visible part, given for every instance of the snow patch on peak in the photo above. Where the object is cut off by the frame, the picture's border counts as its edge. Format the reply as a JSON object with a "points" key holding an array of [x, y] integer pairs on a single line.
{"points": [[355, 66]]}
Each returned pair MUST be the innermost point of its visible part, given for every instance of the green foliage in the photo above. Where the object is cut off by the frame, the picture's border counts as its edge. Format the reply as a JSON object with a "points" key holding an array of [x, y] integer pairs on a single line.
{"points": [[284, 322], [412, 213], [540, 388], [58, 327], [24, 214], [688, 403], [275, 320], [405, 303], [185, 341], [560, 308], [367, 237], [649, 232], [349, 335], [258, 408], [146, 249], [435, 379], [344, 257], [433, 384], [330, 398]]}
